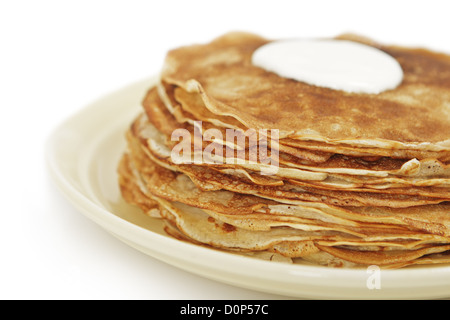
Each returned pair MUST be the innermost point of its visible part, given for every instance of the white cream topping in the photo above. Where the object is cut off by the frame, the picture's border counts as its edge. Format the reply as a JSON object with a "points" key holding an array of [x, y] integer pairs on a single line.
{"points": [[336, 64]]}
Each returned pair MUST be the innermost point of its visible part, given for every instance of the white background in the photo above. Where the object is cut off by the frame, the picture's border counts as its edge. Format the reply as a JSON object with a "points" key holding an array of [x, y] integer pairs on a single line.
{"points": [[58, 56]]}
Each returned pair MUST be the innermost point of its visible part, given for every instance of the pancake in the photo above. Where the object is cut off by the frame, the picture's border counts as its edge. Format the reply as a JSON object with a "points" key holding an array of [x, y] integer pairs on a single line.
{"points": [[187, 106], [234, 87], [304, 159], [196, 225], [310, 175], [204, 174], [431, 217]]}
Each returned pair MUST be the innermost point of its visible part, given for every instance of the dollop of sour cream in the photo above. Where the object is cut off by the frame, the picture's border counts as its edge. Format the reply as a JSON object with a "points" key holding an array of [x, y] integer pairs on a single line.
{"points": [[336, 64]]}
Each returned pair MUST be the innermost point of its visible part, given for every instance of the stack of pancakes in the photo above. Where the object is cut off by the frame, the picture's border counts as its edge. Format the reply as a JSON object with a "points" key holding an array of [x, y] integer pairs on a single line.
{"points": [[359, 179]]}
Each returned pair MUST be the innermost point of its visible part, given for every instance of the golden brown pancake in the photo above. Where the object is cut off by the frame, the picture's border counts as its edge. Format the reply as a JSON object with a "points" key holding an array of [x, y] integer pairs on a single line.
{"points": [[383, 246], [188, 107], [431, 217], [361, 179], [234, 87], [164, 121], [203, 174]]}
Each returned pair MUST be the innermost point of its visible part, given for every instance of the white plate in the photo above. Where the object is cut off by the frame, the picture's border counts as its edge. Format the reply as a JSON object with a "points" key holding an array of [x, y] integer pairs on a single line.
{"points": [[83, 154]]}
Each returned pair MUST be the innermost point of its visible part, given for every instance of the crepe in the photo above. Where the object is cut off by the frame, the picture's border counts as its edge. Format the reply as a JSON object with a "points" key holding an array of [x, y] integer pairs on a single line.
{"points": [[234, 87], [349, 179], [291, 239], [336, 163], [429, 216], [203, 174]]}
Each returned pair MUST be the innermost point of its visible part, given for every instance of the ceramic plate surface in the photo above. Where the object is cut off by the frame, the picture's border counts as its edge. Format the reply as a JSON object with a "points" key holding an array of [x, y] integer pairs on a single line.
{"points": [[82, 155]]}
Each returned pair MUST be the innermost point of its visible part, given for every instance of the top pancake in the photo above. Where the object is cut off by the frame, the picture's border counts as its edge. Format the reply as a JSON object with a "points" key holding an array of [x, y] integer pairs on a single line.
{"points": [[415, 115]]}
